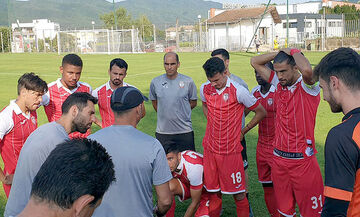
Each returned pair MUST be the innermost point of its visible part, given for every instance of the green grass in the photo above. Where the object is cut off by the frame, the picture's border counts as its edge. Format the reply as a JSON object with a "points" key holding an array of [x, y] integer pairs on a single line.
{"points": [[142, 68]]}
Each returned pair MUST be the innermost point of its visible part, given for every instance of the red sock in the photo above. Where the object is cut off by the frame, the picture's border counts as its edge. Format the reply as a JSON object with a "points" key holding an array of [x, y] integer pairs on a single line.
{"points": [[270, 200], [242, 207], [171, 211], [215, 204]]}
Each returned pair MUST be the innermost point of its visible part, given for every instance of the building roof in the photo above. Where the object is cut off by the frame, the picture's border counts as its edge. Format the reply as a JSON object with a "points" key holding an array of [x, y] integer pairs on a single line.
{"points": [[236, 15]]}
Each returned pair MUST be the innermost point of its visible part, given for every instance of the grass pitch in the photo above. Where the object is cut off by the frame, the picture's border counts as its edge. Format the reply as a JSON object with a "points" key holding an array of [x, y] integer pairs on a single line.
{"points": [[142, 68]]}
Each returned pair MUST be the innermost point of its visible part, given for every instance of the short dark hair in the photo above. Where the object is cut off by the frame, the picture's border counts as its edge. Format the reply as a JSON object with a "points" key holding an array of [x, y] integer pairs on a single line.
{"points": [[72, 59], [176, 56], [344, 63], [213, 66], [282, 56], [170, 146], [221, 51], [80, 99], [73, 169], [30, 81], [119, 62]]}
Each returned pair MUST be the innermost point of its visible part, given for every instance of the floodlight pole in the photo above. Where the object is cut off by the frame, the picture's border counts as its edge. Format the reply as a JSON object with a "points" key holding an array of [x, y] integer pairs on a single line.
{"points": [[114, 14], [287, 23]]}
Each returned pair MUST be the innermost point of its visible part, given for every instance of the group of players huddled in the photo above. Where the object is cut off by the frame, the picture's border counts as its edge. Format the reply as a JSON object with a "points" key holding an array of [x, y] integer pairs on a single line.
{"points": [[285, 104]]}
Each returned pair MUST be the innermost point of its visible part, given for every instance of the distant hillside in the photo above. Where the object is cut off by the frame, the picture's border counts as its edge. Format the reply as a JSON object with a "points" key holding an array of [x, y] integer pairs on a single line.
{"points": [[80, 13]]}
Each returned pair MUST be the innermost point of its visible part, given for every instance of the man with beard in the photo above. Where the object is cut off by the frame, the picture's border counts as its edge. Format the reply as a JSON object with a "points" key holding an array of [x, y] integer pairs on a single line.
{"points": [[295, 171], [339, 75], [117, 73], [78, 113], [60, 89], [17, 121]]}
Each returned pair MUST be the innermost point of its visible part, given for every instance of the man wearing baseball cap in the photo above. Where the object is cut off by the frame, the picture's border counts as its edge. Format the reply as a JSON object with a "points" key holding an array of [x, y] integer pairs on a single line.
{"points": [[140, 161]]}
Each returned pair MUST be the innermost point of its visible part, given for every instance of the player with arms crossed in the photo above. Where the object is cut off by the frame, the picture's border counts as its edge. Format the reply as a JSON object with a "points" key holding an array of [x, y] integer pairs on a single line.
{"points": [[224, 102], [264, 92], [60, 89], [17, 121], [117, 72], [187, 170], [295, 172], [339, 74]]}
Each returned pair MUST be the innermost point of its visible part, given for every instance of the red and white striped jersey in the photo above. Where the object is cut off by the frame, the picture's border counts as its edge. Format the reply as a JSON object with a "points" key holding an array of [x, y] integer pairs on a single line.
{"points": [[103, 94], [190, 169], [225, 111], [15, 127], [267, 125], [56, 96], [296, 108]]}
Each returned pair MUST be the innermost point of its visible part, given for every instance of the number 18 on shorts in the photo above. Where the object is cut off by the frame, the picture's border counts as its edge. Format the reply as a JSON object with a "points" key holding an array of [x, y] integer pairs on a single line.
{"points": [[224, 173]]}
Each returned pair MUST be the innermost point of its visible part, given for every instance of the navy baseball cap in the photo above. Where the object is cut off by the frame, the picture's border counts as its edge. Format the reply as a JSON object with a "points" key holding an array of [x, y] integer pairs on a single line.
{"points": [[124, 98]]}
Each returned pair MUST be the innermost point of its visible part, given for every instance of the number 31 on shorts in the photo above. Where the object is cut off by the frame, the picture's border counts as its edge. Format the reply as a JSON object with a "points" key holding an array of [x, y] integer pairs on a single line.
{"points": [[236, 177]]}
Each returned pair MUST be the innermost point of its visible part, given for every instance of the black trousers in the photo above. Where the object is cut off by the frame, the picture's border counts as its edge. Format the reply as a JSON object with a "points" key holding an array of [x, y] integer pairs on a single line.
{"points": [[185, 141]]}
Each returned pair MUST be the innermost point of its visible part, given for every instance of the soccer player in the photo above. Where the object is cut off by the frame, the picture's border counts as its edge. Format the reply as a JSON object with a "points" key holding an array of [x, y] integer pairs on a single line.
{"points": [[264, 93], [78, 112], [140, 161], [17, 121], [225, 56], [71, 182], [339, 74], [117, 73], [224, 102], [295, 172], [173, 97], [60, 89], [187, 170]]}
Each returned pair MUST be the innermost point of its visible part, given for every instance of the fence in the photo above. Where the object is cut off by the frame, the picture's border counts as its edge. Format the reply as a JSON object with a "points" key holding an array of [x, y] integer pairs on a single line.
{"points": [[314, 34], [100, 41]]}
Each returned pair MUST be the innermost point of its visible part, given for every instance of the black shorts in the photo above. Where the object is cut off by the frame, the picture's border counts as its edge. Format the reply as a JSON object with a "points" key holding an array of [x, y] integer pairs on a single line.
{"points": [[185, 141], [243, 154]]}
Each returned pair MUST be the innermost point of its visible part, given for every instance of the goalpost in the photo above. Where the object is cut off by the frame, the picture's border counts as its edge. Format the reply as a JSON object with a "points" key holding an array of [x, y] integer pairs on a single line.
{"points": [[100, 41]]}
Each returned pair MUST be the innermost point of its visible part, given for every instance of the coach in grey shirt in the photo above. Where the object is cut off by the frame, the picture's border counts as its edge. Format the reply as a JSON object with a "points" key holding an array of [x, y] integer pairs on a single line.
{"points": [[139, 159], [173, 97], [78, 113]]}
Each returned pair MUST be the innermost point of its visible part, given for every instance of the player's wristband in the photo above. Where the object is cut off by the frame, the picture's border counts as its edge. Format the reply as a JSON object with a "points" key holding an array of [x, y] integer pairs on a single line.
{"points": [[294, 51]]}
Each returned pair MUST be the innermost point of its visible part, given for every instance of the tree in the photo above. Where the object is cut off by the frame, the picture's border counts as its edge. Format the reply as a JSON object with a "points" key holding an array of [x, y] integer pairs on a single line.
{"points": [[5, 31], [350, 12], [122, 17], [145, 28], [125, 21]]}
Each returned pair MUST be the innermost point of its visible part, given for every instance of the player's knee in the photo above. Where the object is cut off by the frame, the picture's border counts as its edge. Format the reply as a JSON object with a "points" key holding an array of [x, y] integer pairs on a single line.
{"points": [[240, 196]]}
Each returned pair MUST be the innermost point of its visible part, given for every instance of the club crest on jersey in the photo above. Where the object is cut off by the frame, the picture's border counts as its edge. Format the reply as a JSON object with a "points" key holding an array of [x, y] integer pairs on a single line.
{"points": [[270, 101], [33, 120], [226, 97], [181, 84]]}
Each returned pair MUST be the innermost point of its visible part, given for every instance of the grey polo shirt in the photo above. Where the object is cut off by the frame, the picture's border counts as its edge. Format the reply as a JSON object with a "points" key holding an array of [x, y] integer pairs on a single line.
{"points": [[33, 154], [242, 83], [173, 107], [140, 162]]}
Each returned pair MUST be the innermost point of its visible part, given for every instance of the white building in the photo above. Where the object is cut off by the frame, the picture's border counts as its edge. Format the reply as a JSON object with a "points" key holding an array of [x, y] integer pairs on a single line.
{"points": [[301, 8], [309, 26], [234, 29], [41, 28]]}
